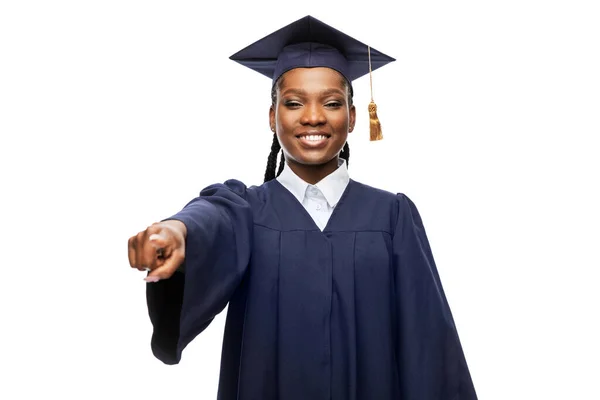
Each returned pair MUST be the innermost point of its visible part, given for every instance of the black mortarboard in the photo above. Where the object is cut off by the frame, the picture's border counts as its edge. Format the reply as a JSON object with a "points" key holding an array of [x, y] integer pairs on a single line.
{"points": [[307, 43]]}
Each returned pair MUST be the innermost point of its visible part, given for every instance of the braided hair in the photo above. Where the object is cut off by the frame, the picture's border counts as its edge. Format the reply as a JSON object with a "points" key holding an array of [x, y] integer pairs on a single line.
{"points": [[270, 173]]}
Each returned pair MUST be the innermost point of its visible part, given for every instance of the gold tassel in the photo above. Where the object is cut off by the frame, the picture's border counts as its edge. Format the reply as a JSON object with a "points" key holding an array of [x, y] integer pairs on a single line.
{"points": [[374, 122], [375, 125]]}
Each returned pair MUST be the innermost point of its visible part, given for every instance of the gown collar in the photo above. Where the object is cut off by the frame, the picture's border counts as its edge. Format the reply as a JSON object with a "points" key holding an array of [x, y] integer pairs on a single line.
{"points": [[332, 186]]}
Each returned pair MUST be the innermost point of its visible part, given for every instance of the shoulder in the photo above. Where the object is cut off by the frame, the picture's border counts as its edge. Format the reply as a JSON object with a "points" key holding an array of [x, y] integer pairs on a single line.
{"points": [[398, 205], [378, 195], [253, 194], [381, 193], [371, 190], [232, 186]]}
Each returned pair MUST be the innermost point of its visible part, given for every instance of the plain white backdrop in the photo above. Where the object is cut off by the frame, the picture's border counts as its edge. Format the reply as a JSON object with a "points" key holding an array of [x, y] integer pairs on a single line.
{"points": [[114, 114]]}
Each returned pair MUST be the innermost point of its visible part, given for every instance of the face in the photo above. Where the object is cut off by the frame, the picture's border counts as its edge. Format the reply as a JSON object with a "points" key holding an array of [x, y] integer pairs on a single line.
{"points": [[312, 116]]}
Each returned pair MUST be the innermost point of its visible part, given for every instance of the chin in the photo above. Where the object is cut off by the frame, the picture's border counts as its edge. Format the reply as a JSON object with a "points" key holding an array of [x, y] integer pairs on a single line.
{"points": [[309, 159]]}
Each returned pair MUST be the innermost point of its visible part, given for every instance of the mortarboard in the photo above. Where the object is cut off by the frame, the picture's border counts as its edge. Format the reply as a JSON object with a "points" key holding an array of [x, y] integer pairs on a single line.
{"points": [[308, 43]]}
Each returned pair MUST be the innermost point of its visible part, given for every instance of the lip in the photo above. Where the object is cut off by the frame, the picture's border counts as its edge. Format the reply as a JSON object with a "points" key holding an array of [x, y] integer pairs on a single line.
{"points": [[316, 144]]}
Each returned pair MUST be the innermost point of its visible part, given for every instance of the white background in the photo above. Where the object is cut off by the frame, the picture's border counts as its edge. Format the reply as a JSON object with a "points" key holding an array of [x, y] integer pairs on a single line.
{"points": [[113, 114]]}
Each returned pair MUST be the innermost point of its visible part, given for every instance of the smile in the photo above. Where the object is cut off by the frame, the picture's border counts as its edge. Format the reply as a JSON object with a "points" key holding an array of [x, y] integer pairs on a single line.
{"points": [[313, 138], [313, 141]]}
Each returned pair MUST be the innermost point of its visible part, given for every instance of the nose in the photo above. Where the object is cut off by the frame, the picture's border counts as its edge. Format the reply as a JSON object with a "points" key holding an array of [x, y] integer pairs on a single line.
{"points": [[313, 115]]}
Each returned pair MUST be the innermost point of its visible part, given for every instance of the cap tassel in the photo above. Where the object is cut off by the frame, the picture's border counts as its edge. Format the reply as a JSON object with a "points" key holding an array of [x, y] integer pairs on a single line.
{"points": [[374, 122], [375, 125]]}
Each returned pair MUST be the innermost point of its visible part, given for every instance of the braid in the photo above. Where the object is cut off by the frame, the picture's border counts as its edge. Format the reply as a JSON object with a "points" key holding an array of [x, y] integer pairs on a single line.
{"points": [[272, 160], [281, 164], [345, 154]]}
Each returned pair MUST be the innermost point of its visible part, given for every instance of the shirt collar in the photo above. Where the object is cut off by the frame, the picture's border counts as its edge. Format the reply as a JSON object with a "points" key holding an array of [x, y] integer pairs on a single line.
{"points": [[332, 186]]}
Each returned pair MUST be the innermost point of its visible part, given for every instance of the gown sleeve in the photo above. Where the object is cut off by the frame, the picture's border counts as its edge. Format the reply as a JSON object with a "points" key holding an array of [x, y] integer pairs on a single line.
{"points": [[431, 362], [217, 252]]}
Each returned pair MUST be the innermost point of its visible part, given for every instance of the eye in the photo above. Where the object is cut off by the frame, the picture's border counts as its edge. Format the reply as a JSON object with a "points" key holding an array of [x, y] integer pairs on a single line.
{"points": [[292, 104], [333, 104]]}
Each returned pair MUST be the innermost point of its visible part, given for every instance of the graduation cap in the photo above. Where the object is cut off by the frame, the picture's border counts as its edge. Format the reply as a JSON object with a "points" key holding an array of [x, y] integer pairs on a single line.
{"points": [[308, 43]]}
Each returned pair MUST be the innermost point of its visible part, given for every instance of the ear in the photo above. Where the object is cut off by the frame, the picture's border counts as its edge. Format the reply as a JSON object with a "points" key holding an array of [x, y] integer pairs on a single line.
{"points": [[272, 118], [352, 118]]}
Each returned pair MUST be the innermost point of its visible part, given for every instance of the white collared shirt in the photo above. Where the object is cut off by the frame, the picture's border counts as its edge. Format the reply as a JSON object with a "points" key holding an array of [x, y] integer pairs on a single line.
{"points": [[319, 199]]}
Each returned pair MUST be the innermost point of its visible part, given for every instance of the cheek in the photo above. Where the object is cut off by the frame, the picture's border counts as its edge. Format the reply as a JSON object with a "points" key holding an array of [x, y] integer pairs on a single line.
{"points": [[341, 122], [285, 120]]}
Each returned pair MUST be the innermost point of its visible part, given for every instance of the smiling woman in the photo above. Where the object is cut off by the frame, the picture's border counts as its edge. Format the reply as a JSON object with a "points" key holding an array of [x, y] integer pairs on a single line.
{"points": [[332, 287], [312, 115]]}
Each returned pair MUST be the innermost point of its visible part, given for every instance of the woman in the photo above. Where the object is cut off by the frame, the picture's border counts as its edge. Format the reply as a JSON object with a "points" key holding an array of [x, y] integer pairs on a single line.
{"points": [[332, 288]]}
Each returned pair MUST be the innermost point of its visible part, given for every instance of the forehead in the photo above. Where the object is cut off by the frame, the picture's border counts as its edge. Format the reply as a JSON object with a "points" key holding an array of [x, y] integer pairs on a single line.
{"points": [[319, 77]]}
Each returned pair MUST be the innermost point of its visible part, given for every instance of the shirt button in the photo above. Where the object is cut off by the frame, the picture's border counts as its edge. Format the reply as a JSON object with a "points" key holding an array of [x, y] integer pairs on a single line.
{"points": [[318, 206]]}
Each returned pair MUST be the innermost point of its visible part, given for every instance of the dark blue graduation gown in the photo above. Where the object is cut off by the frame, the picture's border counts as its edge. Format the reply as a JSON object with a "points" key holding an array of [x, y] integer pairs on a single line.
{"points": [[355, 312]]}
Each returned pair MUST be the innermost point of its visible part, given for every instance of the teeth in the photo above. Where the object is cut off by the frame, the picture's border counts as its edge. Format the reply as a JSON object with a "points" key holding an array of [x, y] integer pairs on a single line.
{"points": [[314, 138]]}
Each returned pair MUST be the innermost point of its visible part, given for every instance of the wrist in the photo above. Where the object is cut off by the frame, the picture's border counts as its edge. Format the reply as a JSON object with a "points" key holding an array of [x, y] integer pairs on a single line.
{"points": [[177, 226]]}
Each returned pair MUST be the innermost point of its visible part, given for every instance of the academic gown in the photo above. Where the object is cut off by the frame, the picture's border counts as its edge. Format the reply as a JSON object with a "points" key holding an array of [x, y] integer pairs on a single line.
{"points": [[353, 312]]}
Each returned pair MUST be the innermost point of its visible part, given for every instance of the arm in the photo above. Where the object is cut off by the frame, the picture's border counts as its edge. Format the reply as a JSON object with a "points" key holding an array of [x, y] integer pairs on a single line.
{"points": [[217, 251], [430, 358]]}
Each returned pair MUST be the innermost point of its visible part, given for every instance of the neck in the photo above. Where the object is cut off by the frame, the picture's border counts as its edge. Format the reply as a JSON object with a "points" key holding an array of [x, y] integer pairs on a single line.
{"points": [[313, 173]]}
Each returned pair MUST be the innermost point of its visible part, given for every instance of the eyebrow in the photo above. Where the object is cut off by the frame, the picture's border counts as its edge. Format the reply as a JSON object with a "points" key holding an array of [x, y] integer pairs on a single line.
{"points": [[303, 92]]}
